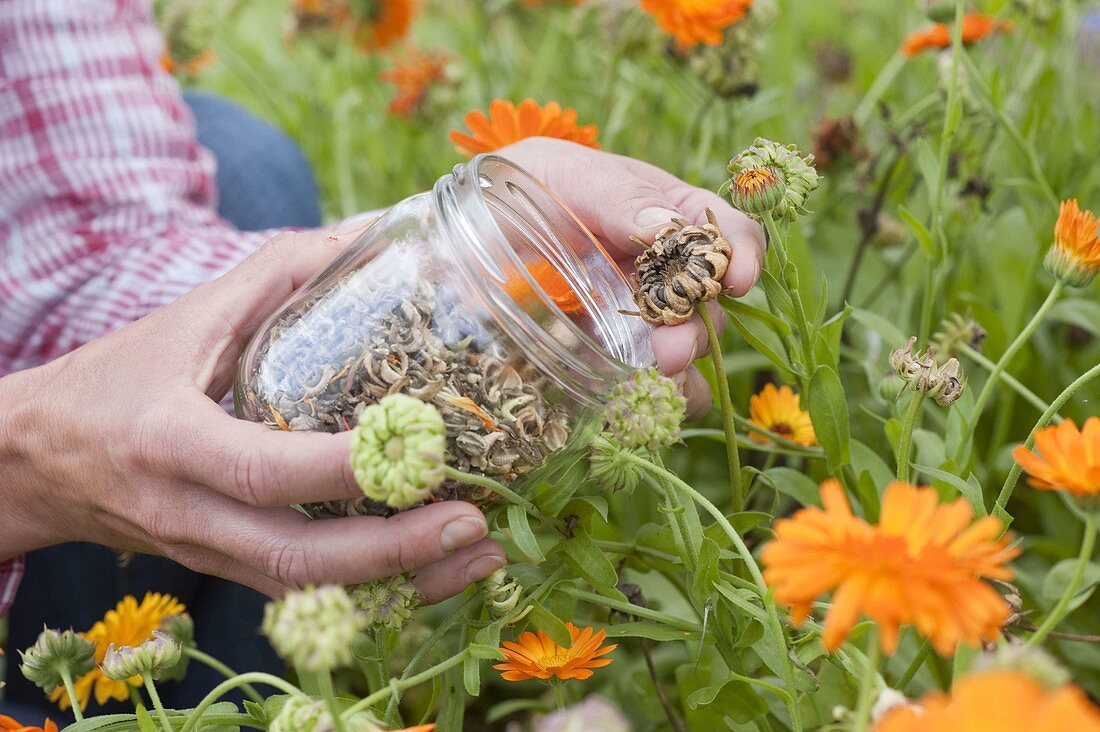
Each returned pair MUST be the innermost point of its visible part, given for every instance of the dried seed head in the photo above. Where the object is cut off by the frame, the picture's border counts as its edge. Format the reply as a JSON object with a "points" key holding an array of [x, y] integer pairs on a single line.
{"points": [[314, 628], [950, 383], [956, 332], [920, 371], [386, 603], [683, 268]]}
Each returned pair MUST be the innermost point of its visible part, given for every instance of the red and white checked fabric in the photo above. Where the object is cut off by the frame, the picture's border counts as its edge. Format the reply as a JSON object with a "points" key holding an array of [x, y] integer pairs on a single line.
{"points": [[106, 199]]}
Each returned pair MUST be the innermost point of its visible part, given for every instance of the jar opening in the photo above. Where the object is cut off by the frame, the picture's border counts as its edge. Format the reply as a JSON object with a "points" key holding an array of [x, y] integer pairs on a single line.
{"points": [[544, 274]]}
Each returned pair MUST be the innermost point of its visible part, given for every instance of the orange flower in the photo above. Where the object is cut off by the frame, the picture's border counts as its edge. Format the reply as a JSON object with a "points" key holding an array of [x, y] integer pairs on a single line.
{"points": [[696, 21], [553, 284], [10, 725], [1066, 458], [536, 656], [508, 123], [921, 565], [189, 68], [414, 73], [1006, 701], [381, 22], [1075, 256], [778, 411], [975, 27]]}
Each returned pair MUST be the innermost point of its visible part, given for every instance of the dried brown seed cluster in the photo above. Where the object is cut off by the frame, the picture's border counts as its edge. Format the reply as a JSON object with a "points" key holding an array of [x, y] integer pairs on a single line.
{"points": [[336, 355], [683, 268], [943, 382]]}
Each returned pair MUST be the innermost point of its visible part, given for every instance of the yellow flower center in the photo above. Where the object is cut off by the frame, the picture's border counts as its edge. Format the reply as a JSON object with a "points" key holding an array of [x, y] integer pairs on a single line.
{"points": [[755, 180]]}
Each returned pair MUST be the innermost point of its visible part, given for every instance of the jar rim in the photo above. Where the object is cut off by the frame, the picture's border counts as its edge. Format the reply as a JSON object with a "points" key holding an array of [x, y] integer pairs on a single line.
{"points": [[490, 192]]}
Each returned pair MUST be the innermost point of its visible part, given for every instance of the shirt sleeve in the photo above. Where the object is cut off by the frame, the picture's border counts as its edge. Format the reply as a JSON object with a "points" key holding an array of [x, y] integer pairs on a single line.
{"points": [[106, 198]]}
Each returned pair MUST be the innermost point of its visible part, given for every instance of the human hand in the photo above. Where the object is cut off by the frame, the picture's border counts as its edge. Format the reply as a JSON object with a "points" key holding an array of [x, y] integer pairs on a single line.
{"points": [[122, 443], [617, 197]]}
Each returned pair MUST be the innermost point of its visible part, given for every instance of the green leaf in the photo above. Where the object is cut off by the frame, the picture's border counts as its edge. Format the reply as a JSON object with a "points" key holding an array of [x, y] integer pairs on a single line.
{"points": [[550, 624], [794, 484], [891, 335], [969, 489], [471, 676], [706, 572], [589, 559], [829, 414], [1057, 580], [145, 722], [777, 294], [735, 699], [923, 237], [827, 339], [738, 307], [504, 709], [652, 631], [744, 600], [766, 343], [522, 534]]}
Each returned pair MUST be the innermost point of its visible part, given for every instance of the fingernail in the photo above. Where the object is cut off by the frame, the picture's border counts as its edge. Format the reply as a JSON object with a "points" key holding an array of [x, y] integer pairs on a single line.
{"points": [[481, 568], [655, 216], [462, 532]]}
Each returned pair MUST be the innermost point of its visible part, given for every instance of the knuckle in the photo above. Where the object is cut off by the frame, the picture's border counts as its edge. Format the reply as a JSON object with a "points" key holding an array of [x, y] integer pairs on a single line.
{"points": [[293, 564], [253, 477]]}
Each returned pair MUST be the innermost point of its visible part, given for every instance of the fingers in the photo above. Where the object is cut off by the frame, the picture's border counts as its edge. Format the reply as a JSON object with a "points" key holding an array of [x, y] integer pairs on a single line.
{"points": [[450, 576], [696, 391], [676, 346]]}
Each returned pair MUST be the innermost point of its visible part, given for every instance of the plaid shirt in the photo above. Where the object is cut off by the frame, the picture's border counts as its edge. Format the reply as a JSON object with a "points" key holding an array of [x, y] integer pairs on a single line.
{"points": [[106, 199]]}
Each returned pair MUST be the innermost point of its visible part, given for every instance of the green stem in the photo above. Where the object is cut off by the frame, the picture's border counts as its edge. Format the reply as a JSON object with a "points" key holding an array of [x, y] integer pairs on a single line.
{"points": [[878, 87], [1002, 364], [754, 570], [324, 683], [737, 495], [504, 492], [229, 685], [67, 679], [1014, 474], [197, 655], [400, 685], [789, 279], [905, 441], [914, 667], [150, 687], [631, 609], [867, 685], [1029, 396], [1088, 542]]}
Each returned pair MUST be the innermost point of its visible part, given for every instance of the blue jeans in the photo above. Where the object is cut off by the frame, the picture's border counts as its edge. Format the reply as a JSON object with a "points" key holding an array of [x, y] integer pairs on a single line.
{"points": [[264, 182]]}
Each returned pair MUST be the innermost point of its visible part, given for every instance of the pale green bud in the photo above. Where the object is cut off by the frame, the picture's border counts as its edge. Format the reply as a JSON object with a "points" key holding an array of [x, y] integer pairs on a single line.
{"points": [[386, 603], [314, 628], [645, 411], [53, 652], [153, 657]]}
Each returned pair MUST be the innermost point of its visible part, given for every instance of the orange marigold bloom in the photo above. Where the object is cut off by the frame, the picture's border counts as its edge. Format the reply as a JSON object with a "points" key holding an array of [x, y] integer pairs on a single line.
{"points": [[778, 411], [10, 725], [922, 565], [536, 656], [508, 123], [379, 23], [1074, 257], [696, 21], [414, 73], [1006, 701], [974, 28], [1066, 459]]}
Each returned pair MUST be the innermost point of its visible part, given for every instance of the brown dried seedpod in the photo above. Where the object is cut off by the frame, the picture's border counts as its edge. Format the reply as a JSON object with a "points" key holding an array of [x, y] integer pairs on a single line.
{"points": [[683, 268]]}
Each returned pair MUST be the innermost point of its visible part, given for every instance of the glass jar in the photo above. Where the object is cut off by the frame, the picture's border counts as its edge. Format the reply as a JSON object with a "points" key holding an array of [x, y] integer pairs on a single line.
{"points": [[486, 297]]}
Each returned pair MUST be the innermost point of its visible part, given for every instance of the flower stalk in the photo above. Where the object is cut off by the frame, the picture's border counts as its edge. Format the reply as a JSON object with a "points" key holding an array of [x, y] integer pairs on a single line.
{"points": [[1088, 543], [867, 684], [905, 441], [733, 458], [151, 688], [70, 690]]}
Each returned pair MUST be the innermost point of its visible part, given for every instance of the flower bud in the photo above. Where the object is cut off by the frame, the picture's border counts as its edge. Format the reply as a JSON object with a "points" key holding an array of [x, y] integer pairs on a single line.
{"points": [[502, 593], [181, 628], [314, 628], [645, 411], [153, 657], [398, 450], [799, 177], [1074, 257], [54, 653], [301, 714], [758, 191], [610, 467], [386, 603]]}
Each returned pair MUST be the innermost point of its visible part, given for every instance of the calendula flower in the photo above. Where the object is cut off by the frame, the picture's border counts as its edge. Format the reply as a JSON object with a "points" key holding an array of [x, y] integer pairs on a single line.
{"points": [[55, 654], [921, 565], [379, 24], [397, 450], [787, 168], [386, 603], [974, 28], [732, 67], [537, 656], [683, 268], [508, 123], [414, 74], [645, 411], [128, 624], [1005, 701], [155, 656], [778, 411], [1074, 257], [1065, 458], [314, 628], [696, 21], [8, 724]]}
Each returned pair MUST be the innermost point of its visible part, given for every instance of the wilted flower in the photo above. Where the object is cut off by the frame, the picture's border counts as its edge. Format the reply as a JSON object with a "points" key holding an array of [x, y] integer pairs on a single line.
{"points": [[944, 383], [1074, 257], [887, 700], [778, 411], [314, 628], [797, 174], [508, 123], [55, 654], [837, 138], [398, 450], [1006, 701], [691, 21], [131, 663], [501, 592], [921, 565], [537, 656], [645, 411], [1065, 459], [386, 603], [610, 466], [682, 269], [975, 27]]}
